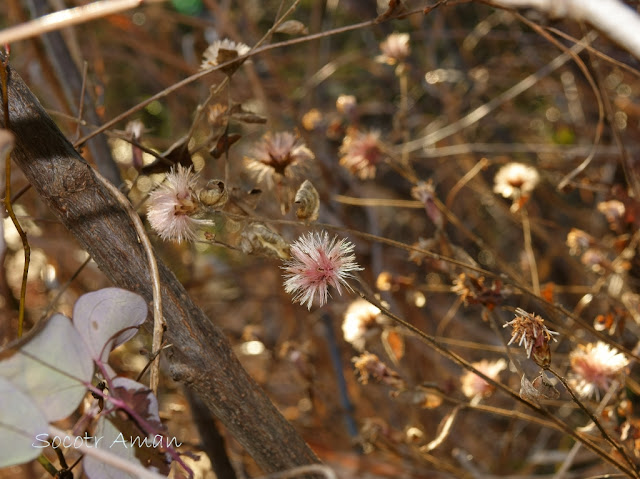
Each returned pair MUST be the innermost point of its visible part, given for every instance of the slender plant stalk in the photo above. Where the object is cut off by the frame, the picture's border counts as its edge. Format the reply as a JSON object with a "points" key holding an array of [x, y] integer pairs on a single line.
{"points": [[595, 421], [528, 249], [159, 324], [4, 77]]}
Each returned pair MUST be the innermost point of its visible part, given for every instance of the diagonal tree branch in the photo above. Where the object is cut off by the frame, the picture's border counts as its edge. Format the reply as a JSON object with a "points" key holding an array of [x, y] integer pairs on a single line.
{"points": [[201, 356]]}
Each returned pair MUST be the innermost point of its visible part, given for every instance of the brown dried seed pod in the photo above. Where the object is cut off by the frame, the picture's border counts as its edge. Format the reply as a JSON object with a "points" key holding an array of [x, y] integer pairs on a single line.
{"points": [[258, 239], [214, 194], [308, 200]]}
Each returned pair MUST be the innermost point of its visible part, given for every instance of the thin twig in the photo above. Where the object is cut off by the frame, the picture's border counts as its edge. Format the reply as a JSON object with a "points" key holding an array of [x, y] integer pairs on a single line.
{"points": [[81, 105], [158, 320], [7, 147], [528, 249], [196, 76], [65, 18]]}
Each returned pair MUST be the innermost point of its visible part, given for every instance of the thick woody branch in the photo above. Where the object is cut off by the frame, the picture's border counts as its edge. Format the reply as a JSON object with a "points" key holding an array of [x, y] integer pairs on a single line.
{"points": [[201, 356]]}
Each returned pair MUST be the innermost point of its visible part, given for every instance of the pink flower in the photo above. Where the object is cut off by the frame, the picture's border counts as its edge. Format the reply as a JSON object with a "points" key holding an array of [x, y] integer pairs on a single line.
{"points": [[172, 205], [316, 264]]}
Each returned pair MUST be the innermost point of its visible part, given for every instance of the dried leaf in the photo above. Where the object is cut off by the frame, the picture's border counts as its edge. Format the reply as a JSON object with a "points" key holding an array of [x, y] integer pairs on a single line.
{"points": [[393, 343], [224, 143], [248, 117], [259, 239], [547, 292], [178, 154]]}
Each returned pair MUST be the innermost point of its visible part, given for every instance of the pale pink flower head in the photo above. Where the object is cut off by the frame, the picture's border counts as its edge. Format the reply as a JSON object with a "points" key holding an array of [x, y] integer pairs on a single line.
{"points": [[594, 367], [473, 385], [361, 153], [222, 51], [395, 49], [317, 263], [530, 330], [172, 205], [282, 154]]}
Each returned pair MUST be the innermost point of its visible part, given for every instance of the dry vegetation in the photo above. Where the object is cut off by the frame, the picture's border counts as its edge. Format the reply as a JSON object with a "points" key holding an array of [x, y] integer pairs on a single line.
{"points": [[402, 126]]}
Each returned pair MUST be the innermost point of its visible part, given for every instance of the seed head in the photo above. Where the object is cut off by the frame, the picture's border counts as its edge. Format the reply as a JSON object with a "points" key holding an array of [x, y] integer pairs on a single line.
{"points": [[529, 329]]}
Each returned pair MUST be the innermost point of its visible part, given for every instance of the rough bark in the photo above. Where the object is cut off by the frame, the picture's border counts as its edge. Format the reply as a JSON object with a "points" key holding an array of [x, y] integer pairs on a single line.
{"points": [[201, 356]]}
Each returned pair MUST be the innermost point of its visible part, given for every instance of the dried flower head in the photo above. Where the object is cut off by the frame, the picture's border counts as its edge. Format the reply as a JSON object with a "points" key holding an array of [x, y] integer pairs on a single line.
{"points": [[222, 51], [282, 154], [613, 210], [473, 290], [317, 263], [516, 181], [529, 329], [578, 241], [369, 366], [596, 259], [173, 204], [395, 49], [360, 320], [473, 385], [361, 152], [594, 367]]}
